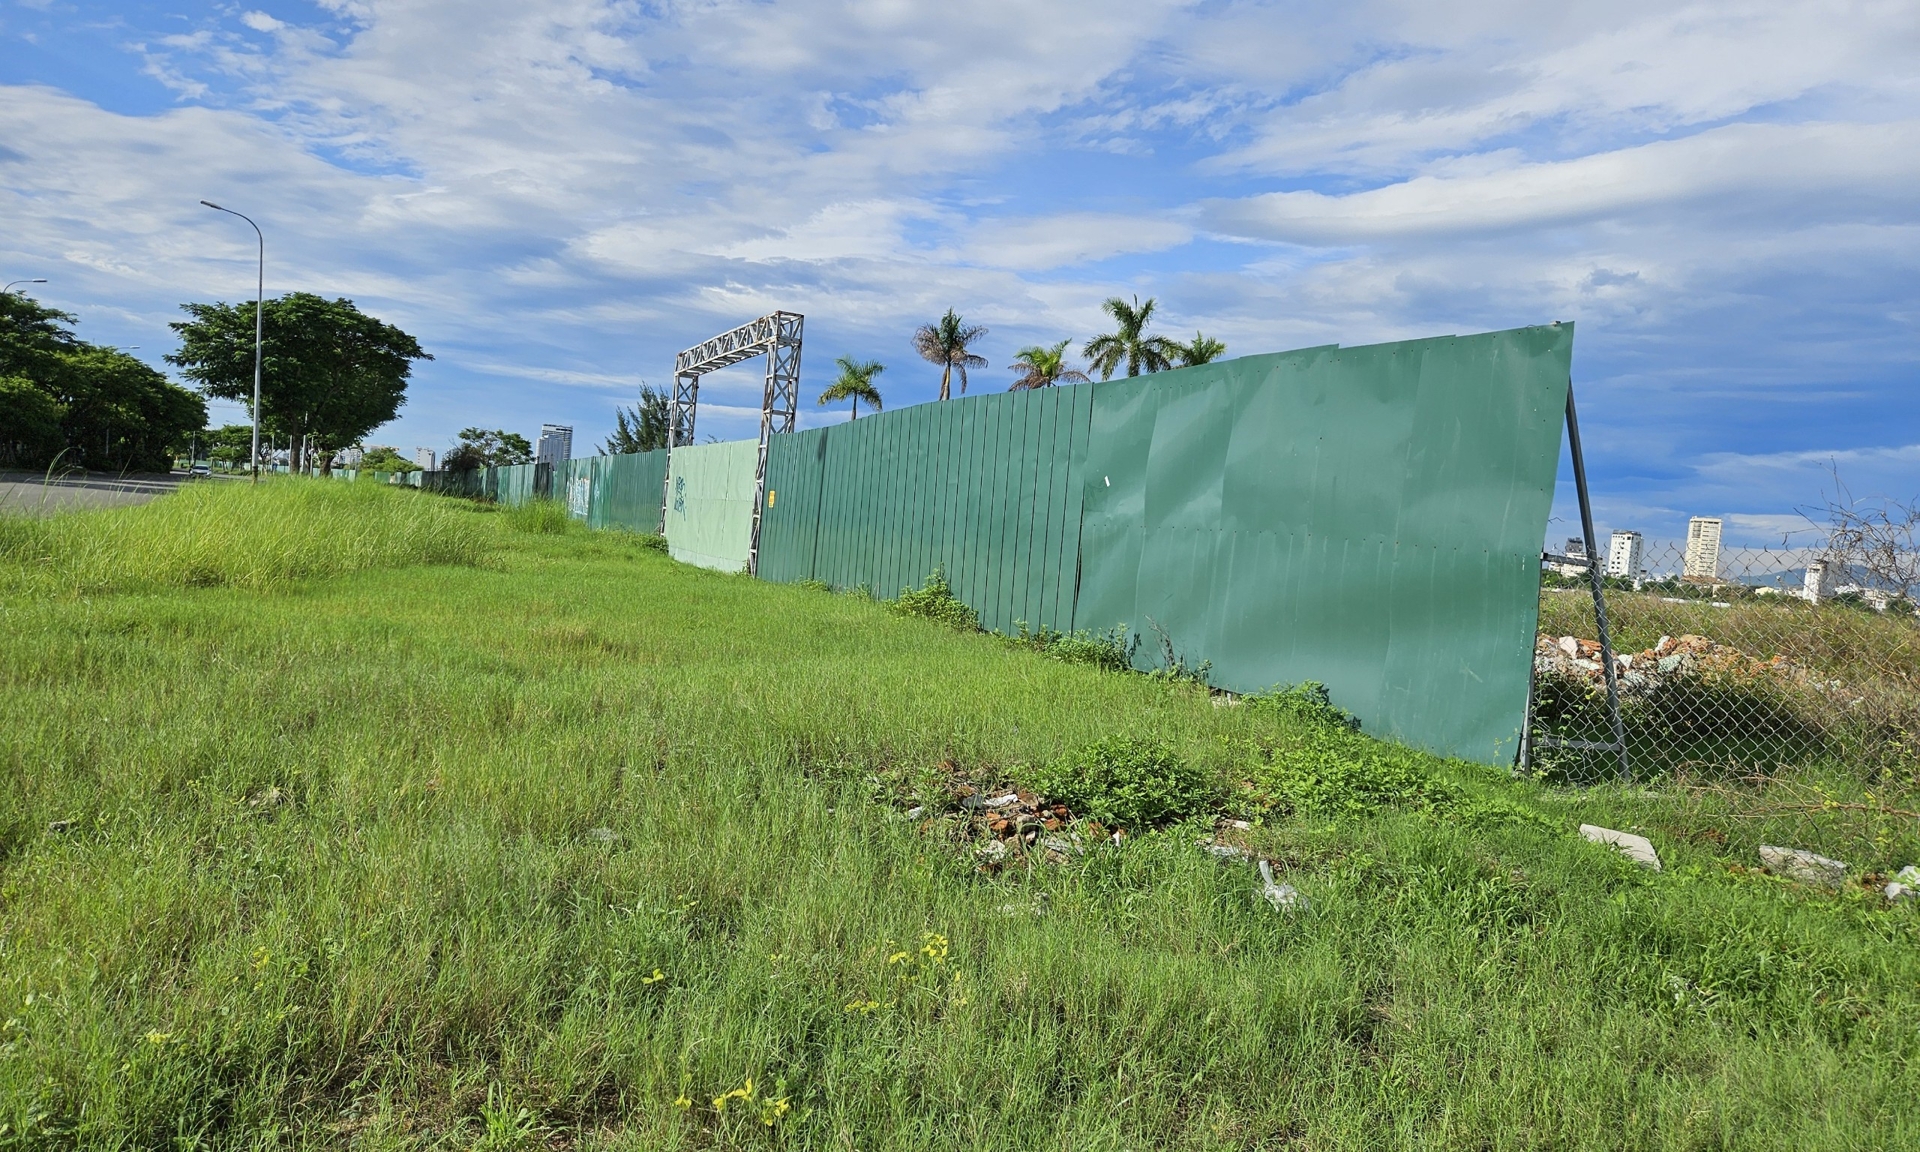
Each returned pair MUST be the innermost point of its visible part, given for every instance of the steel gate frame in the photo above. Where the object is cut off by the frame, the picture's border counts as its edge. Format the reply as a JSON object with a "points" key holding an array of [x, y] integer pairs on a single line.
{"points": [[776, 335]]}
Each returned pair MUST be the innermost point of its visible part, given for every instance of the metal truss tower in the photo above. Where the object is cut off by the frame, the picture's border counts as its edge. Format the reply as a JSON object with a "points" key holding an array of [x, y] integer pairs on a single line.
{"points": [[777, 336]]}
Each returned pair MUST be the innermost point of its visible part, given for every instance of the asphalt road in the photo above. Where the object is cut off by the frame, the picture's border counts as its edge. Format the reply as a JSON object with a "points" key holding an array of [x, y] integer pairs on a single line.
{"points": [[34, 494]]}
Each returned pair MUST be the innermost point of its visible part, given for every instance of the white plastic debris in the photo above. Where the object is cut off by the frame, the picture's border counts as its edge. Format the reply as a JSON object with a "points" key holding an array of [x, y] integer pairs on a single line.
{"points": [[915, 812], [992, 852], [1283, 897], [1224, 851], [1803, 866], [1635, 848], [1905, 884]]}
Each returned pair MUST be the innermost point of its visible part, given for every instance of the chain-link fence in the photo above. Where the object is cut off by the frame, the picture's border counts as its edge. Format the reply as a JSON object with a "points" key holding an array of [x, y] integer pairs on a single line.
{"points": [[1775, 694]]}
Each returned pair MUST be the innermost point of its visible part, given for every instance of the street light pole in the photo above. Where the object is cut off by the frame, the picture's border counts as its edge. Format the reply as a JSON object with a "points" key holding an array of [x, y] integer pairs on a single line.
{"points": [[9, 287], [259, 328]]}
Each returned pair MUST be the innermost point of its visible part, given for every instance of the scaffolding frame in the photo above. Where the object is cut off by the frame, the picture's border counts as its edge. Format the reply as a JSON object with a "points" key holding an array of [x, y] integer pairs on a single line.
{"points": [[777, 336]]}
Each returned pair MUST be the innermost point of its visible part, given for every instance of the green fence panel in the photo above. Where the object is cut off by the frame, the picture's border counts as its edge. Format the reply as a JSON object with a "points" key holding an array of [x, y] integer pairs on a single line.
{"points": [[513, 483], [790, 523], [983, 488], [627, 491], [710, 509], [1368, 517]]}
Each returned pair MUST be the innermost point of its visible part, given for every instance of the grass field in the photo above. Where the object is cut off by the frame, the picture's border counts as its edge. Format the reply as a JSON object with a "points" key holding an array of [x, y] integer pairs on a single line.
{"points": [[343, 816]]}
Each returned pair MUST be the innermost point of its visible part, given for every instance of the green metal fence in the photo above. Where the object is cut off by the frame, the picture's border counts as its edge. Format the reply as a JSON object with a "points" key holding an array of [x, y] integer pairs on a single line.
{"points": [[710, 504], [1370, 518], [985, 489]]}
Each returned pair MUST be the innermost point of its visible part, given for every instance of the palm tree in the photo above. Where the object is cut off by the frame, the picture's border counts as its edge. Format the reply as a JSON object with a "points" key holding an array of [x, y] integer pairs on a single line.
{"points": [[855, 383], [1202, 350], [1130, 344], [945, 343], [1043, 367]]}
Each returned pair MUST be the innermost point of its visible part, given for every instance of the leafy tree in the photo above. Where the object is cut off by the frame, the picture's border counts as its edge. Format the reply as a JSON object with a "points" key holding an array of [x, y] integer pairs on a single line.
{"points": [[945, 343], [1200, 350], [114, 412], [855, 383], [1129, 344], [330, 373], [230, 444], [479, 448], [29, 422], [381, 458], [1044, 367], [645, 429]]}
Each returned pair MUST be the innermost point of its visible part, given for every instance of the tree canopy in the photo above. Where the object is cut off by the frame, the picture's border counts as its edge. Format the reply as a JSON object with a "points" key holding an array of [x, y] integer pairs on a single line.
{"points": [[944, 342], [1129, 343], [855, 383], [384, 458], [330, 373], [84, 404], [480, 448], [642, 428], [1043, 367]]}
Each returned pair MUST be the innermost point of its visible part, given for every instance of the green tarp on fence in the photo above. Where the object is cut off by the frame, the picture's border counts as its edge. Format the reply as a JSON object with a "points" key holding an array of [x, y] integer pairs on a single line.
{"points": [[710, 504], [1369, 518]]}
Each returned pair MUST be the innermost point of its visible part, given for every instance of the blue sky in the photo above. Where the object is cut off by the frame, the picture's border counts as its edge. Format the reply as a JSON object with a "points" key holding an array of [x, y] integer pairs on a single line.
{"points": [[556, 197]]}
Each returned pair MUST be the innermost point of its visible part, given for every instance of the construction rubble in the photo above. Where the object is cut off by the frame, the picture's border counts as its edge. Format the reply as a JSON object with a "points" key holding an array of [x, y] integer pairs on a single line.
{"points": [[1673, 658]]}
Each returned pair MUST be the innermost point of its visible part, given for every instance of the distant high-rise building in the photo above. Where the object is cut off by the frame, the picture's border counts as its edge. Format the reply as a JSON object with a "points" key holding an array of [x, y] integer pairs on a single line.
{"points": [[1576, 548], [556, 444], [1623, 555], [423, 457], [351, 457], [1702, 565], [1818, 584]]}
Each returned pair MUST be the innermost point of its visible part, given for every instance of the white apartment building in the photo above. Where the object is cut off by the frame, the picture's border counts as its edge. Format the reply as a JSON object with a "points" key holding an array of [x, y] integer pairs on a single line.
{"points": [[1623, 555], [1818, 584], [424, 458], [1702, 563], [556, 444]]}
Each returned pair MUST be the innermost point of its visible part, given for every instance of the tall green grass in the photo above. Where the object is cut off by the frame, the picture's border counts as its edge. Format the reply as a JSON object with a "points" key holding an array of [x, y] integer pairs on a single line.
{"points": [[228, 533], [564, 849]]}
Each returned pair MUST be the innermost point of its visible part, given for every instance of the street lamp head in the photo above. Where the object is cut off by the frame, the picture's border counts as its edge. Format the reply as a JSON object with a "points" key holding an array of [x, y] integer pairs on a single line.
{"points": [[213, 206]]}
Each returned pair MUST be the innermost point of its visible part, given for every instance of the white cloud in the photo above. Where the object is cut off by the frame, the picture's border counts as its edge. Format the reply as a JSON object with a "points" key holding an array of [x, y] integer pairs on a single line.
{"points": [[557, 197]]}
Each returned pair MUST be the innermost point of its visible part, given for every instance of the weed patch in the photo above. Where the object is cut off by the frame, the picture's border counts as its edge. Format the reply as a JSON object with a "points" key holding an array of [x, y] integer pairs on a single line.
{"points": [[1110, 651], [935, 601], [1125, 782]]}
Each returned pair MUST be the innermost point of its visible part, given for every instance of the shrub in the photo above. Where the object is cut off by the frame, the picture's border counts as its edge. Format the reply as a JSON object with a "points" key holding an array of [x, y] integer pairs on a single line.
{"points": [[935, 601], [1308, 701], [1125, 781], [653, 541], [1112, 651]]}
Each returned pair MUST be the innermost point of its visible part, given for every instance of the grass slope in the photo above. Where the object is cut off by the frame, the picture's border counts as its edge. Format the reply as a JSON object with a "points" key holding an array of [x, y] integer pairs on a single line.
{"points": [[318, 863]]}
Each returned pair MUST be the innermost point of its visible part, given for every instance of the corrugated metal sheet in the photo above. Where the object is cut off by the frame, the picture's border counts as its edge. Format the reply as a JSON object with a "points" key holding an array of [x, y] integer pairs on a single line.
{"points": [[985, 489], [1367, 517], [614, 491], [710, 505]]}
